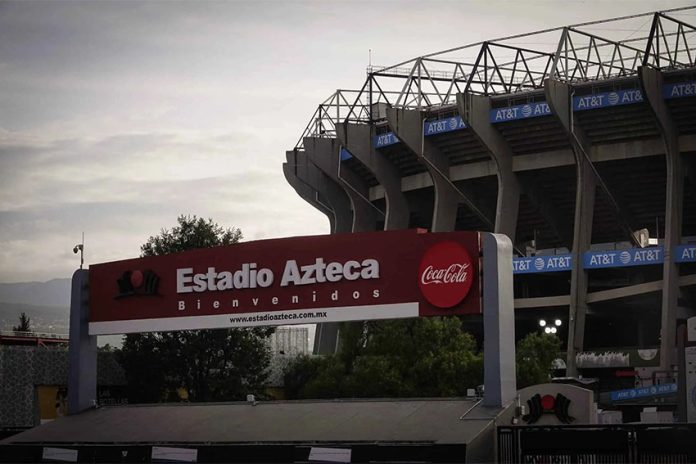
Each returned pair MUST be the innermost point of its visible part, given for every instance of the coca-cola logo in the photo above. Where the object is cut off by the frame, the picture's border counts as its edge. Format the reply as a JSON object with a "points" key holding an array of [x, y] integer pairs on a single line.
{"points": [[445, 274]]}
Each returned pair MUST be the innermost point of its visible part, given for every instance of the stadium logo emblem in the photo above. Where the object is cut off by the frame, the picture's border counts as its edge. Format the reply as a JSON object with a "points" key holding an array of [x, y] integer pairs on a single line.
{"points": [[613, 98], [625, 257], [526, 111], [137, 283], [539, 264], [453, 123], [445, 274], [547, 404]]}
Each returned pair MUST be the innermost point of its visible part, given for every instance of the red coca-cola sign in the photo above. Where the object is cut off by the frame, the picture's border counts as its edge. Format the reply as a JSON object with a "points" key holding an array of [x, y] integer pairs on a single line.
{"points": [[446, 274]]}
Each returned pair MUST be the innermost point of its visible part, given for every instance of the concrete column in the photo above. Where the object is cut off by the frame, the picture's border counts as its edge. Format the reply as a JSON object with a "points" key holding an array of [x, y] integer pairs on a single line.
{"points": [[357, 139], [326, 334], [327, 189], [308, 194], [82, 351], [475, 110], [408, 127], [324, 154], [651, 82], [559, 99]]}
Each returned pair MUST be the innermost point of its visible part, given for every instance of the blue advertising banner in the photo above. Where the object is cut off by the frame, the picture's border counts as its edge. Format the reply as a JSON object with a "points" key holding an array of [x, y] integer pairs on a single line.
{"points": [[623, 258], [685, 254], [603, 100], [679, 90], [383, 140], [537, 264], [644, 392], [511, 113], [438, 126], [345, 154]]}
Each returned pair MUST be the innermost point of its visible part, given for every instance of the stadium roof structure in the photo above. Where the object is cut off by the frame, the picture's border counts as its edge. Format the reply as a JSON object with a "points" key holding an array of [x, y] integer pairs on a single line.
{"points": [[579, 53], [571, 141]]}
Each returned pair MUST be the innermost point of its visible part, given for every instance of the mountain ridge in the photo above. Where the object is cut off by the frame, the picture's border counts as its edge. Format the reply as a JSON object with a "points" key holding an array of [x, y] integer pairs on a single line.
{"points": [[54, 292]]}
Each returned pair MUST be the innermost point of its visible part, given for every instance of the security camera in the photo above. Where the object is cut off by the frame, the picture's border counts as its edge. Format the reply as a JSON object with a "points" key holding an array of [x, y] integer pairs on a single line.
{"points": [[77, 248]]}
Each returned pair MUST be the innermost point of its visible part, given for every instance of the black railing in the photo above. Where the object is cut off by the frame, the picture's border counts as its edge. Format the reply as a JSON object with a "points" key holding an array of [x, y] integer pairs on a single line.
{"points": [[624, 443]]}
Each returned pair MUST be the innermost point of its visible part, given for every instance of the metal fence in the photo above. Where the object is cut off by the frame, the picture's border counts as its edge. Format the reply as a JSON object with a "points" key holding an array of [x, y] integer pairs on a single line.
{"points": [[598, 444]]}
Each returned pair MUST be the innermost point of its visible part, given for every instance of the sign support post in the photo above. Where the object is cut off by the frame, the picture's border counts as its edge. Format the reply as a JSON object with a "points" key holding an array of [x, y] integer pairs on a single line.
{"points": [[82, 351], [499, 379]]}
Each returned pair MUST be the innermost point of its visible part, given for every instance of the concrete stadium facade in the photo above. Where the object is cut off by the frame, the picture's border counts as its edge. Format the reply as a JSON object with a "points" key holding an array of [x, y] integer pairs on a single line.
{"points": [[583, 154]]}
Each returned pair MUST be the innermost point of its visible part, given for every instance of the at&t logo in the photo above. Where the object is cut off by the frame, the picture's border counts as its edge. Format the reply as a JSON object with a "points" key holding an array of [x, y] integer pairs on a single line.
{"points": [[445, 274]]}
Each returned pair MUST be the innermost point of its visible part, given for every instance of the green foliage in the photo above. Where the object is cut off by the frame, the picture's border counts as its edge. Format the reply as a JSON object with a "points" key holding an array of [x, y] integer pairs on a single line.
{"points": [[535, 355], [191, 233], [301, 370], [398, 358], [211, 365], [24, 324]]}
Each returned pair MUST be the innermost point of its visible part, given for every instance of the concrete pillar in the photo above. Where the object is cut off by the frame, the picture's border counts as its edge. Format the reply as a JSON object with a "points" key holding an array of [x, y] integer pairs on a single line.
{"points": [[408, 127], [82, 350], [308, 194], [327, 189], [651, 82], [475, 110], [558, 97], [324, 154], [326, 334], [357, 139]]}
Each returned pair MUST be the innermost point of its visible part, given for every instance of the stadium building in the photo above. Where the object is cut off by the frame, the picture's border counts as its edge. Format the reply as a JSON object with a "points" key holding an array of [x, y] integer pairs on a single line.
{"points": [[582, 151]]}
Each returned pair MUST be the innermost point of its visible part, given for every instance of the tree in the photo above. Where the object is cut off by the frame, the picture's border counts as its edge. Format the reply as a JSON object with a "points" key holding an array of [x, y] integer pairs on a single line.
{"points": [[24, 324], [399, 358], [210, 365], [535, 355]]}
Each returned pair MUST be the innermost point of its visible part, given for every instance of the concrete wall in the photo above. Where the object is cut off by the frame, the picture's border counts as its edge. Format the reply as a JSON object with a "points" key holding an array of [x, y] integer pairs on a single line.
{"points": [[23, 368]]}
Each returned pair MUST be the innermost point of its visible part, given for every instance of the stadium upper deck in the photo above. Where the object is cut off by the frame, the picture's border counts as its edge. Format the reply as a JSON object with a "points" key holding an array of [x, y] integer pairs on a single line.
{"points": [[583, 152]]}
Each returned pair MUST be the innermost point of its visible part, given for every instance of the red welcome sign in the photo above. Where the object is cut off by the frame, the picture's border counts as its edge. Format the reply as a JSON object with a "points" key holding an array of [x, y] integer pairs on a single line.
{"points": [[298, 280]]}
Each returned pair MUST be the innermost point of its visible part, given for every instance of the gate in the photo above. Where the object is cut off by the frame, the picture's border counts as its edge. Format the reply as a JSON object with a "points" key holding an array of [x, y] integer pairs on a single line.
{"points": [[598, 444]]}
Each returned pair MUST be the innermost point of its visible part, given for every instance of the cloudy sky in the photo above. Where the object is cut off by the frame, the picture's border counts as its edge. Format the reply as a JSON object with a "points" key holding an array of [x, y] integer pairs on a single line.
{"points": [[116, 117]]}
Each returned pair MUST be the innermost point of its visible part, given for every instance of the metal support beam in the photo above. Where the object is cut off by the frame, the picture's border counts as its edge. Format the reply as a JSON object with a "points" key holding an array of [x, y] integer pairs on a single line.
{"points": [[559, 99], [357, 139], [474, 110], [651, 82], [324, 154]]}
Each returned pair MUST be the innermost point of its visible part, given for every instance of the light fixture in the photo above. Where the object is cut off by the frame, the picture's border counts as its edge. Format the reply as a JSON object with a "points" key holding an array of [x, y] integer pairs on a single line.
{"points": [[558, 322], [553, 330], [80, 248], [542, 323], [547, 330]]}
